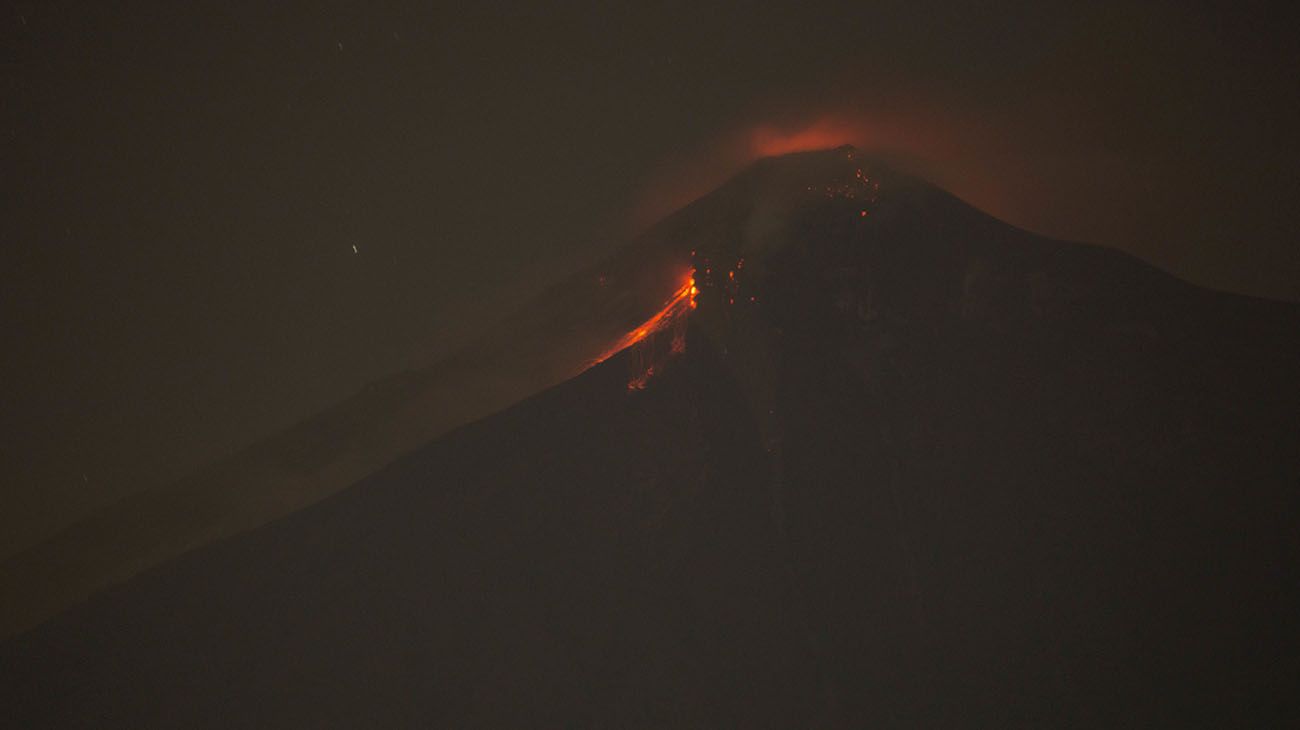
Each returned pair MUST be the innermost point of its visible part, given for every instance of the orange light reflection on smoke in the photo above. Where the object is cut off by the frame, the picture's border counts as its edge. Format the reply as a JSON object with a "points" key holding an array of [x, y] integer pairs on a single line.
{"points": [[825, 133]]}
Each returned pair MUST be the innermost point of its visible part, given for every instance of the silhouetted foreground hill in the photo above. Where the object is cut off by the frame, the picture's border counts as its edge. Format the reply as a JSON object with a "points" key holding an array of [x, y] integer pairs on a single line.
{"points": [[914, 468]]}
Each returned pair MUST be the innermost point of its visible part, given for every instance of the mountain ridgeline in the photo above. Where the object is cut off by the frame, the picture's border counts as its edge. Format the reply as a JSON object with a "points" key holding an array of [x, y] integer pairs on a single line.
{"points": [[913, 467]]}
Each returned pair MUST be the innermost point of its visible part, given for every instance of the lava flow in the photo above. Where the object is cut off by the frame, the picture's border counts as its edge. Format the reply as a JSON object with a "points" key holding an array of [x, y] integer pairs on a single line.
{"points": [[658, 338]]}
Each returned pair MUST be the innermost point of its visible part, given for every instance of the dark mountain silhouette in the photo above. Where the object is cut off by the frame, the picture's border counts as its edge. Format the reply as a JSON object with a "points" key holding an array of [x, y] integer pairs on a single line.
{"points": [[913, 468], [558, 335]]}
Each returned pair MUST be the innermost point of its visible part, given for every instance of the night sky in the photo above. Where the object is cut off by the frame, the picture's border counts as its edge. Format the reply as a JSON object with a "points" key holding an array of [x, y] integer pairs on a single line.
{"points": [[221, 217]]}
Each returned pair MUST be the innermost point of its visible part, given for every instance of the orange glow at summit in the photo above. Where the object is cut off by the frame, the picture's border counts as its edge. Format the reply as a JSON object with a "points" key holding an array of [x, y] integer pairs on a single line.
{"points": [[684, 178], [768, 141]]}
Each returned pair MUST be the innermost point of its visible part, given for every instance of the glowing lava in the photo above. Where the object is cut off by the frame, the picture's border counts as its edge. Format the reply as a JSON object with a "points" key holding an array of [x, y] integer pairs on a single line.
{"points": [[658, 338]]}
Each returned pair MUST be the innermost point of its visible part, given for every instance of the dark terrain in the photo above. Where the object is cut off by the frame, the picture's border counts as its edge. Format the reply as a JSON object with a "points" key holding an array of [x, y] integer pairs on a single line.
{"points": [[915, 468]]}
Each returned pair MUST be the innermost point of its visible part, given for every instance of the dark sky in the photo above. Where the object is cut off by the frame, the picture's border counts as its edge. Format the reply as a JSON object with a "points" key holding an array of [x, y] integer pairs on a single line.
{"points": [[184, 182]]}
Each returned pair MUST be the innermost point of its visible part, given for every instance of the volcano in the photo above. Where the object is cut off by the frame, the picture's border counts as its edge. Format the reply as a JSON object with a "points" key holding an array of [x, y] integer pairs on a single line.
{"points": [[866, 457]]}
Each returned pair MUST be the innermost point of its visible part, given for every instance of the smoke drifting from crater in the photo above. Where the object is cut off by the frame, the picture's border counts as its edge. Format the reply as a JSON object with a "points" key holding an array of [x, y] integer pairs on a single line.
{"points": [[1167, 152]]}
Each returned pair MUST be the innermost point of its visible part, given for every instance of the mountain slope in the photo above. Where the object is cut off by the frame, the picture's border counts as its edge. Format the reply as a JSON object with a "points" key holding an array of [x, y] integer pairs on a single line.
{"points": [[555, 337], [914, 468]]}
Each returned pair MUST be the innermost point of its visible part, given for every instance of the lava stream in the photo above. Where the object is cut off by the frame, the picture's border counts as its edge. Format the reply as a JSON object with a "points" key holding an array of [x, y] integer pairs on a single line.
{"points": [[647, 354]]}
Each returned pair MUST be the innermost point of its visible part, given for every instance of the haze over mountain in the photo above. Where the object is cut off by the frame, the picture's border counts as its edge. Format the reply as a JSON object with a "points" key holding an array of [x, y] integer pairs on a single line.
{"points": [[558, 335], [221, 218], [877, 459]]}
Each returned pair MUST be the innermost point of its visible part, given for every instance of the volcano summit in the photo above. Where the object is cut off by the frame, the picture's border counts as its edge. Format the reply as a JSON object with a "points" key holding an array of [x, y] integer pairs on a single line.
{"points": [[865, 456]]}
